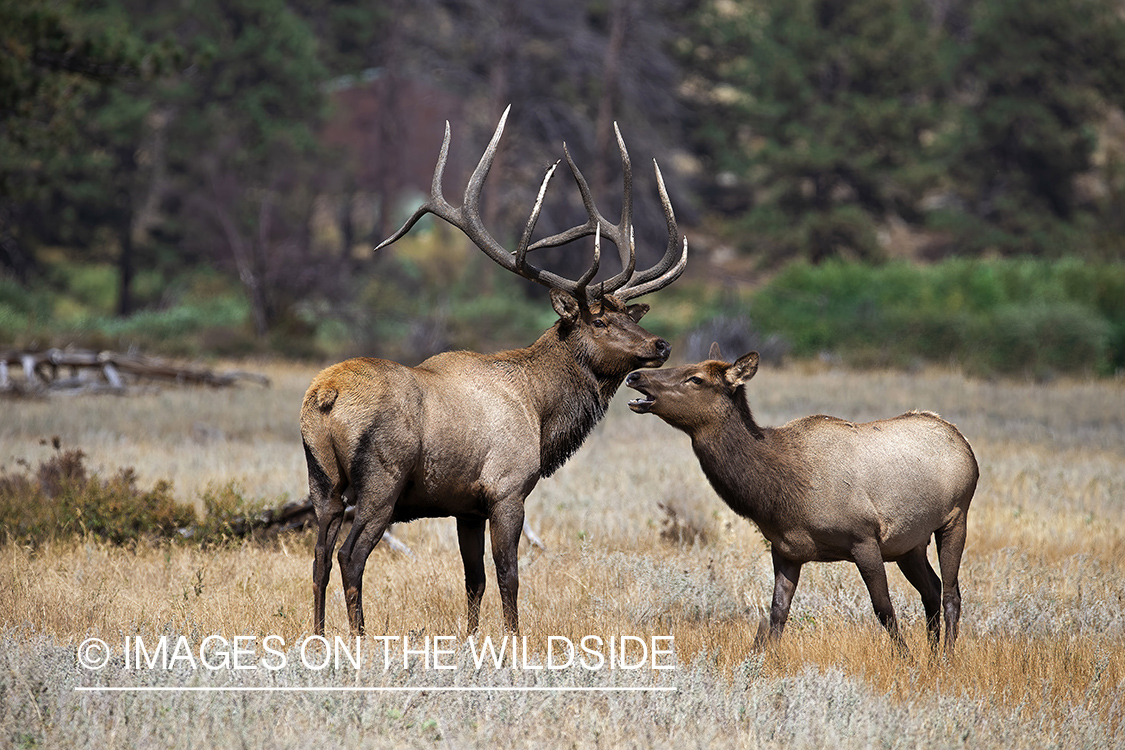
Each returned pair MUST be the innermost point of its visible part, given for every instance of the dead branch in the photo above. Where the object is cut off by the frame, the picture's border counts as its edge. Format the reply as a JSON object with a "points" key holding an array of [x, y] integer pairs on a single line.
{"points": [[81, 371]]}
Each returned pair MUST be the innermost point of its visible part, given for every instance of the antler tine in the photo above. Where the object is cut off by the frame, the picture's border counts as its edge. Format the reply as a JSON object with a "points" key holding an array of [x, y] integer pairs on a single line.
{"points": [[655, 285], [583, 282], [521, 249], [629, 252], [467, 218], [671, 265], [437, 205], [620, 234]]}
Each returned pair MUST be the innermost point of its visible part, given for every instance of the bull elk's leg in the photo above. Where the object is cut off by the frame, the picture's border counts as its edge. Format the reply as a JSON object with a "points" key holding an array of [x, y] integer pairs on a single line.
{"points": [[869, 559], [329, 519], [917, 570], [470, 537], [787, 574], [365, 534], [376, 494], [326, 488], [505, 527], [950, 544]]}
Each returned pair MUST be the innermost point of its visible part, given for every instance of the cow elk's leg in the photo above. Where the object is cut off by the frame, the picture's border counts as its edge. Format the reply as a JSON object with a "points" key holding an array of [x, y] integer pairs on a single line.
{"points": [[917, 570], [950, 544], [506, 526], [786, 576], [869, 560], [470, 537]]}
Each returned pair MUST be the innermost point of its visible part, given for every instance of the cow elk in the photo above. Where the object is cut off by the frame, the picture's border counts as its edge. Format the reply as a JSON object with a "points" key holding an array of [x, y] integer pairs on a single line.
{"points": [[822, 489], [469, 435]]}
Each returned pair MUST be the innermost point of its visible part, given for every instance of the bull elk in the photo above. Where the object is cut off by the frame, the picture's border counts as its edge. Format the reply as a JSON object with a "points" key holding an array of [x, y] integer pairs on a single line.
{"points": [[469, 435], [822, 489]]}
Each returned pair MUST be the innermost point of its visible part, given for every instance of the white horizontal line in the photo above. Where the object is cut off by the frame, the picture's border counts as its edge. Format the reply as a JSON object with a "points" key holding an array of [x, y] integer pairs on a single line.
{"points": [[431, 689]]}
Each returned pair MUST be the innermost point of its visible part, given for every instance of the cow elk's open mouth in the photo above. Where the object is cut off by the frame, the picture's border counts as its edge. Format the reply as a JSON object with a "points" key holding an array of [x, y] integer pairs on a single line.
{"points": [[642, 405]]}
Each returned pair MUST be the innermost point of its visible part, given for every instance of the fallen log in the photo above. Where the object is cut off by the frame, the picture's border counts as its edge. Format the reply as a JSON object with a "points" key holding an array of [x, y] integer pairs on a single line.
{"points": [[75, 371], [293, 516], [299, 514]]}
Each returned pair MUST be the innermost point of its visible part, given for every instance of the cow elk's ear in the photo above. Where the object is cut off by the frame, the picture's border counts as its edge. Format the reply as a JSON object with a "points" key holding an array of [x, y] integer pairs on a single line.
{"points": [[636, 312], [742, 370], [715, 353], [565, 305]]}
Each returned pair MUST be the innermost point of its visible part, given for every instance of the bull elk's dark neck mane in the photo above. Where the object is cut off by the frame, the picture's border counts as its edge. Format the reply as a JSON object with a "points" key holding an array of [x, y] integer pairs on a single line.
{"points": [[733, 447], [566, 393]]}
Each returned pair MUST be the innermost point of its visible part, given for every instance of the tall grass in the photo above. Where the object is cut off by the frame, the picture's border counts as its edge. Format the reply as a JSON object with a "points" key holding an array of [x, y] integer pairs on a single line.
{"points": [[1041, 660]]}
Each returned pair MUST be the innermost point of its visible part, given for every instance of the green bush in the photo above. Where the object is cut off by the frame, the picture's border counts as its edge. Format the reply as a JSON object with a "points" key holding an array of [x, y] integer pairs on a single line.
{"points": [[992, 316], [1038, 339], [202, 314], [227, 514]]}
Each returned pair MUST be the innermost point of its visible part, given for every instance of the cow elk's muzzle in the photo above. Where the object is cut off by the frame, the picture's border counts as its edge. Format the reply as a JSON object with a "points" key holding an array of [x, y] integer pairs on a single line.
{"points": [[638, 382]]}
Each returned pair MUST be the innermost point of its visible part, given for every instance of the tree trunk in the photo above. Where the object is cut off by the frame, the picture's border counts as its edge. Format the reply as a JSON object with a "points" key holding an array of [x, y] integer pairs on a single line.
{"points": [[611, 67], [125, 268]]}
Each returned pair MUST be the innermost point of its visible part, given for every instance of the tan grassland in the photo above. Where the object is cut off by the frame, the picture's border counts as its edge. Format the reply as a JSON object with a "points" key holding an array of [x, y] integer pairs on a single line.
{"points": [[1041, 660]]}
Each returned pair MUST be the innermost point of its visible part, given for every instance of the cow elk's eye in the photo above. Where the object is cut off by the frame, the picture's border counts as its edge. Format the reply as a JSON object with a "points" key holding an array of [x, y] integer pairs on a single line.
{"points": [[695, 380], [598, 323]]}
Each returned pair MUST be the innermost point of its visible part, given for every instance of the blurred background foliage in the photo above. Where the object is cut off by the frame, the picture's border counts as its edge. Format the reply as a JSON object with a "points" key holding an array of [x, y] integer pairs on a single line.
{"points": [[881, 182]]}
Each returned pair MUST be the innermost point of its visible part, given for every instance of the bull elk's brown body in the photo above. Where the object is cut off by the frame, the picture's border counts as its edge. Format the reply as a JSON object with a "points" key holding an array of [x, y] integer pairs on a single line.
{"points": [[822, 489], [469, 435]]}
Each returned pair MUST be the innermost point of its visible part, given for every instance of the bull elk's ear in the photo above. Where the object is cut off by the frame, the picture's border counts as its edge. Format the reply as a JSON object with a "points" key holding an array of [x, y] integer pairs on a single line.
{"points": [[742, 370], [565, 305], [636, 312], [715, 353]]}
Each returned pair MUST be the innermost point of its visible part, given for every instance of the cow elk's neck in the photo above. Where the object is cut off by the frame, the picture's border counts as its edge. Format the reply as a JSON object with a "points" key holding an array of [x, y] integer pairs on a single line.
{"points": [[731, 446]]}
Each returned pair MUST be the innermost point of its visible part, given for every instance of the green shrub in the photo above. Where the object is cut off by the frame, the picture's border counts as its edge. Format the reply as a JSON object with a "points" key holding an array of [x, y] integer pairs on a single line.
{"points": [[228, 514], [1038, 340], [992, 316]]}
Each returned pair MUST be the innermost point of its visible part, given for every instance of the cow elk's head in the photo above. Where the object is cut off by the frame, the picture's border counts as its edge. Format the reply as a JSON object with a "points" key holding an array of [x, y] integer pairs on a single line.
{"points": [[692, 395], [603, 329]]}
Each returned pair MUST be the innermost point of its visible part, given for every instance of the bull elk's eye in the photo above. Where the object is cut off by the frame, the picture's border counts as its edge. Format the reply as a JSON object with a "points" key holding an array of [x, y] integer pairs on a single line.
{"points": [[598, 323], [695, 380]]}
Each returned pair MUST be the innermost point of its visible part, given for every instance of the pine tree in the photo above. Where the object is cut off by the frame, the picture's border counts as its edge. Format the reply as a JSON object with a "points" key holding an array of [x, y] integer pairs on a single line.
{"points": [[824, 108], [56, 59], [1035, 78]]}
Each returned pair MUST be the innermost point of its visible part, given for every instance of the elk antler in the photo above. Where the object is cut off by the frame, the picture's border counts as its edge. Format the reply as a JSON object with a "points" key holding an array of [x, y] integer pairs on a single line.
{"points": [[626, 284]]}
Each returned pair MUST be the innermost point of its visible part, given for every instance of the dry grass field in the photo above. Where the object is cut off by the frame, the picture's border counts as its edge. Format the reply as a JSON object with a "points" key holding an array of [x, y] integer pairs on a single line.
{"points": [[1041, 660]]}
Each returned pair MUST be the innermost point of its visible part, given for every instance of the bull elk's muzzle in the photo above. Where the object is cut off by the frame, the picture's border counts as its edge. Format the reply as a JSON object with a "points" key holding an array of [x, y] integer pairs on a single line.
{"points": [[663, 350]]}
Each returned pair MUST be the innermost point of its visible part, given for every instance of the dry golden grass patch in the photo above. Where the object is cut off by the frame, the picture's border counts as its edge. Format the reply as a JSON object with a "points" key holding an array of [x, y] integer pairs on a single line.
{"points": [[1043, 576], [195, 437], [1046, 677]]}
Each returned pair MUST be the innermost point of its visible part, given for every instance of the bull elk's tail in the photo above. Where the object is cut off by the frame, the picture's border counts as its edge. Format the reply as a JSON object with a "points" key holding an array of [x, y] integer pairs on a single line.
{"points": [[326, 397]]}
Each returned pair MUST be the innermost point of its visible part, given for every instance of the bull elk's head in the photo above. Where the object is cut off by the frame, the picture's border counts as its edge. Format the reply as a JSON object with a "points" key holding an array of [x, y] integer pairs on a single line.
{"points": [[592, 302]]}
